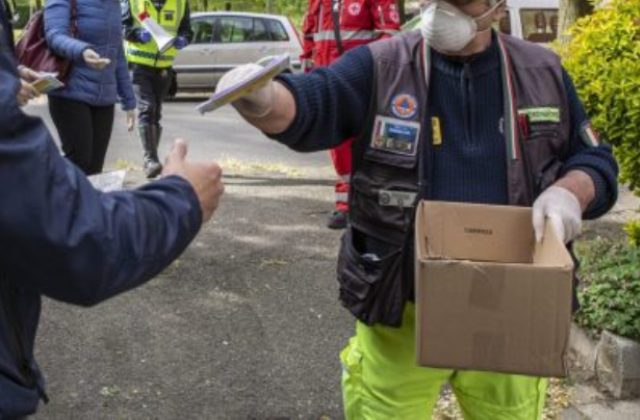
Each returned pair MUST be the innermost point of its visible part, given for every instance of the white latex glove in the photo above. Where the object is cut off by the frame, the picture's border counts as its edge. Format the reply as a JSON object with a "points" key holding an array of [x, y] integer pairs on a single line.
{"points": [[131, 120], [562, 208], [93, 59], [256, 104]]}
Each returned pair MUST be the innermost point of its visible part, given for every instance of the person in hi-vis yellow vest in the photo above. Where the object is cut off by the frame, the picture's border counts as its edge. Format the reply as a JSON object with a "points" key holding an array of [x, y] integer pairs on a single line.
{"points": [[151, 69]]}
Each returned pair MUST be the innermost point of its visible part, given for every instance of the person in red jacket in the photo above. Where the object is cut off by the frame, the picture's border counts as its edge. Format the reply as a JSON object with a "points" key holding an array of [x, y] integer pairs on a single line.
{"points": [[330, 28]]}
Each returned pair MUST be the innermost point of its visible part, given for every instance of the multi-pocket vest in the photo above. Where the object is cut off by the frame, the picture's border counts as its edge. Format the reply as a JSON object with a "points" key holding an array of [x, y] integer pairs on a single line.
{"points": [[392, 162]]}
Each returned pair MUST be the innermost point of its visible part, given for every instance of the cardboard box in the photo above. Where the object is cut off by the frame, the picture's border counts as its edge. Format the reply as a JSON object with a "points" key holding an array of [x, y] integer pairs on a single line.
{"points": [[487, 296]]}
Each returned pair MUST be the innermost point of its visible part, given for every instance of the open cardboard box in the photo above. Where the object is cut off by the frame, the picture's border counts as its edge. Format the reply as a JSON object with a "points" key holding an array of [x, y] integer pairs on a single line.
{"points": [[488, 297]]}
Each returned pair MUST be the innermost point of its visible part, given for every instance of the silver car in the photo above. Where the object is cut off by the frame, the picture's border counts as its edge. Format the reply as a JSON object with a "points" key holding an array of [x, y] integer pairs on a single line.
{"points": [[223, 40]]}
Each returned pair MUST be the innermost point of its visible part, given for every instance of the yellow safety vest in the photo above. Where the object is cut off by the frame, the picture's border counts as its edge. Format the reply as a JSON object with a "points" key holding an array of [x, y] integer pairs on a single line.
{"points": [[169, 17]]}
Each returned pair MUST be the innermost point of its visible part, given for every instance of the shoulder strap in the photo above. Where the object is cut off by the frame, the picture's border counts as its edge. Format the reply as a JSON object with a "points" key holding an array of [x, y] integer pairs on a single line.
{"points": [[335, 15]]}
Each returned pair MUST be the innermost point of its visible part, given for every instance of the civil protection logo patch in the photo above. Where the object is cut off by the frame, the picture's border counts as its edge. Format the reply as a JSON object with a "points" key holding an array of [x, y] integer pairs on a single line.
{"points": [[404, 106]]}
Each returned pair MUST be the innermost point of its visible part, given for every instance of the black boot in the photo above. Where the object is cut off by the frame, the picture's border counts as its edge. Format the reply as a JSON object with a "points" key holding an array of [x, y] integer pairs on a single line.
{"points": [[337, 220], [149, 136]]}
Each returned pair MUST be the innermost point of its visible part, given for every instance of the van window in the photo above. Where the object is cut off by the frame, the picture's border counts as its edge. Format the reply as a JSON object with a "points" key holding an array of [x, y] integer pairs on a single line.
{"points": [[235, 29], [277, 31], [539, 25], [202, 31], [260, 32]]}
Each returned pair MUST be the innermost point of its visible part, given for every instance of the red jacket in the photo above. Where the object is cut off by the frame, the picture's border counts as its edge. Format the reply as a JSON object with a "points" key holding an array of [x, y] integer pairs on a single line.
{"points": [[361, 22]]}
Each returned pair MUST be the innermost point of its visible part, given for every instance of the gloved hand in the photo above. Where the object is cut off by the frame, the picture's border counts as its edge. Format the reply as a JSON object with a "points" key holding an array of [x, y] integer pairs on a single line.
{"points": [[562, 208], [143, 35], [180, 42], [256, 104]]}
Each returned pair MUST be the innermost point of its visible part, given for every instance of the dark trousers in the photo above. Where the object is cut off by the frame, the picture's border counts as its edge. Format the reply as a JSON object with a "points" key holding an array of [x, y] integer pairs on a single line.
{"points": [[151, 86], [84, 131]]}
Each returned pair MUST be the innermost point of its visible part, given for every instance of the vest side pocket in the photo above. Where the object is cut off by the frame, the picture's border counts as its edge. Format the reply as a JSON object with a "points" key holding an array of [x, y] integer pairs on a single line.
{"points": [[369, 273]]}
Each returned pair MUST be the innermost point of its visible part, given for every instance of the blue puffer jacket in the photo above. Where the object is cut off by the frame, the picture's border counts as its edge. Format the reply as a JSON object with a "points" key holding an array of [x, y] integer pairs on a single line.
{"points": [[99, 28]]}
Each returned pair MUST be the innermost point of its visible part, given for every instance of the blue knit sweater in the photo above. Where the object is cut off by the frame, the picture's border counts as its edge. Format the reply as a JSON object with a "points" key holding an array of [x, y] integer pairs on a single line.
{"points": [[470, 166]]}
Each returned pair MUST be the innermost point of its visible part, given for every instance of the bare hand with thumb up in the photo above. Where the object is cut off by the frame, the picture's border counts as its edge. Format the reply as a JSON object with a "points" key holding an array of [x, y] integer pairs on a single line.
{"points": [[204, 177]]}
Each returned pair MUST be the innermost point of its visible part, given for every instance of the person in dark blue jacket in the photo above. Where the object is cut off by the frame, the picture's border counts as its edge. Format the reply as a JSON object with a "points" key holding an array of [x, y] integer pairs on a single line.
{"points": [[61, 238], [83, 111]]}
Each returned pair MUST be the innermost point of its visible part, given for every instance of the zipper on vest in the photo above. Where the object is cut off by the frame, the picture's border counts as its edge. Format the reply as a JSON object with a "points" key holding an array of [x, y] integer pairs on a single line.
{"points": [[467, 96]]}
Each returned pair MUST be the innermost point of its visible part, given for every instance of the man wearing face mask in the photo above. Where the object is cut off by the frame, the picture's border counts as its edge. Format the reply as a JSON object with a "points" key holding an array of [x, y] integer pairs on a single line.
{"points": [[453, 112]]}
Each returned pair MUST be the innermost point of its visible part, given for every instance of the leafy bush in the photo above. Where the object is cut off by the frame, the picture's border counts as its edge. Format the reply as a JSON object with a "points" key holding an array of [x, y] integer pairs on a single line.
{"points": [[633, 230], [610, 294], [603, 58]]}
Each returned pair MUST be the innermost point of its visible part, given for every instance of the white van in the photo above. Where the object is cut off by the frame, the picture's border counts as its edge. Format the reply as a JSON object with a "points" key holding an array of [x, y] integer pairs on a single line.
{"points": [[533, 20]]}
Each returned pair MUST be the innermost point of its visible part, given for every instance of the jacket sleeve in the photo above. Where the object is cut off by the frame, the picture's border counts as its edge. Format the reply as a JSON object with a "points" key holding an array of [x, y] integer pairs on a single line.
{"points": [[331, 102], [57, 27], [590, 155], [125, 87], [62, 238], [386, 18], [184, 30], [129, 32]]}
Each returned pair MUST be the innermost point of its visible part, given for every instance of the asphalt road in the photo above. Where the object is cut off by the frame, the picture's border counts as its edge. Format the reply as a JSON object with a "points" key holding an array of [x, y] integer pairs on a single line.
{"points": [[245, 325], [219, 135]]}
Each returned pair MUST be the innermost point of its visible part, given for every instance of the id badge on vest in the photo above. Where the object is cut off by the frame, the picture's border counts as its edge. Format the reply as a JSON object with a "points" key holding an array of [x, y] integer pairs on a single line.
{"points": [[392, 135], [394, 142]]}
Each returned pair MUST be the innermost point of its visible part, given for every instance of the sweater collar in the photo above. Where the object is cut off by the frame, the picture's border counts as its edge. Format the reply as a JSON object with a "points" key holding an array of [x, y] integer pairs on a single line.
{"points": [[479, 64]]}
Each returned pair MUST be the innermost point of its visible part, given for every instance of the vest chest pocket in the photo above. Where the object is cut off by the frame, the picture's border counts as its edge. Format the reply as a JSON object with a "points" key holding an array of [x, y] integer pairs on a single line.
{"points": [[394, 142], [385, 204], [544, 149]]}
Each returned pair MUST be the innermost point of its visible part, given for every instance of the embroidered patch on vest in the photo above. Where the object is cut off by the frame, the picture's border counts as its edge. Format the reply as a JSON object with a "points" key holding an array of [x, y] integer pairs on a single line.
{"points": [[391, 198], [395, 136], [540, 115], [404, 106], [589, 135], [168, 14]]}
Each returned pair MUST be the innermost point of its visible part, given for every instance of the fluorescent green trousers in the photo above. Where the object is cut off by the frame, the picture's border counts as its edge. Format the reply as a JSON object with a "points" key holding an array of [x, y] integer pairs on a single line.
{"points": [[381, 380]]}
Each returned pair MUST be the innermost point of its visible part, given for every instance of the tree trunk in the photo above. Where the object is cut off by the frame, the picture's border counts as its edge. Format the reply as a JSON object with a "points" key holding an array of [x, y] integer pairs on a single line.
{"points": [[570, 11]]}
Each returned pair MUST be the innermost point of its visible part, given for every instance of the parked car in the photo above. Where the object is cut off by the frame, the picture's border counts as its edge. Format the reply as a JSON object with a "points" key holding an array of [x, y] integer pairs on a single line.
{"points": [[223, 40], [533, 20]]}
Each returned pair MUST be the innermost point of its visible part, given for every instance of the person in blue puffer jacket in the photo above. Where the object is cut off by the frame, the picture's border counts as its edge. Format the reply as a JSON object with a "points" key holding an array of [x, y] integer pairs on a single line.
{"points": [[83, 111]]}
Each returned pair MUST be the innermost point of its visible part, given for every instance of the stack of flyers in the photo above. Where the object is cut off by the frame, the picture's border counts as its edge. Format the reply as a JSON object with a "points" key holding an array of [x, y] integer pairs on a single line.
{"points": [[47, 83], [108, 181], [271, 69]]}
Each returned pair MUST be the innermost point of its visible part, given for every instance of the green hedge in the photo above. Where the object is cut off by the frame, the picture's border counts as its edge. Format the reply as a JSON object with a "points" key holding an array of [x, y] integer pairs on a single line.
{"points": [[603, 58], [610, 293]]}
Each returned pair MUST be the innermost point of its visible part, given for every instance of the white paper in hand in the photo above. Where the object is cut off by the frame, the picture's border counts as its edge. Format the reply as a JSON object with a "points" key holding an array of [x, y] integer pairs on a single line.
{"points": [[108, 181], [271, 69]]}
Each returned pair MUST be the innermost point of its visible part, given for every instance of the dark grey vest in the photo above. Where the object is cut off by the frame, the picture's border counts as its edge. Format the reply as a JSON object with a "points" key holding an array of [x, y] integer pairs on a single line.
{"points": [[375, 266]]}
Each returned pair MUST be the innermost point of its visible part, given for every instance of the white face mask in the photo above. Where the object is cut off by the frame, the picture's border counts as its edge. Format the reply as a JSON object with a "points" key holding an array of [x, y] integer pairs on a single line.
{"points": [[447, 28]]}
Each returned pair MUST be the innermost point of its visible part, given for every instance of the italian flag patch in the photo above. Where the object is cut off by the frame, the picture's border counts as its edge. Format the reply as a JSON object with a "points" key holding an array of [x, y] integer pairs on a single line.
{"points": [[589, 135]]}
